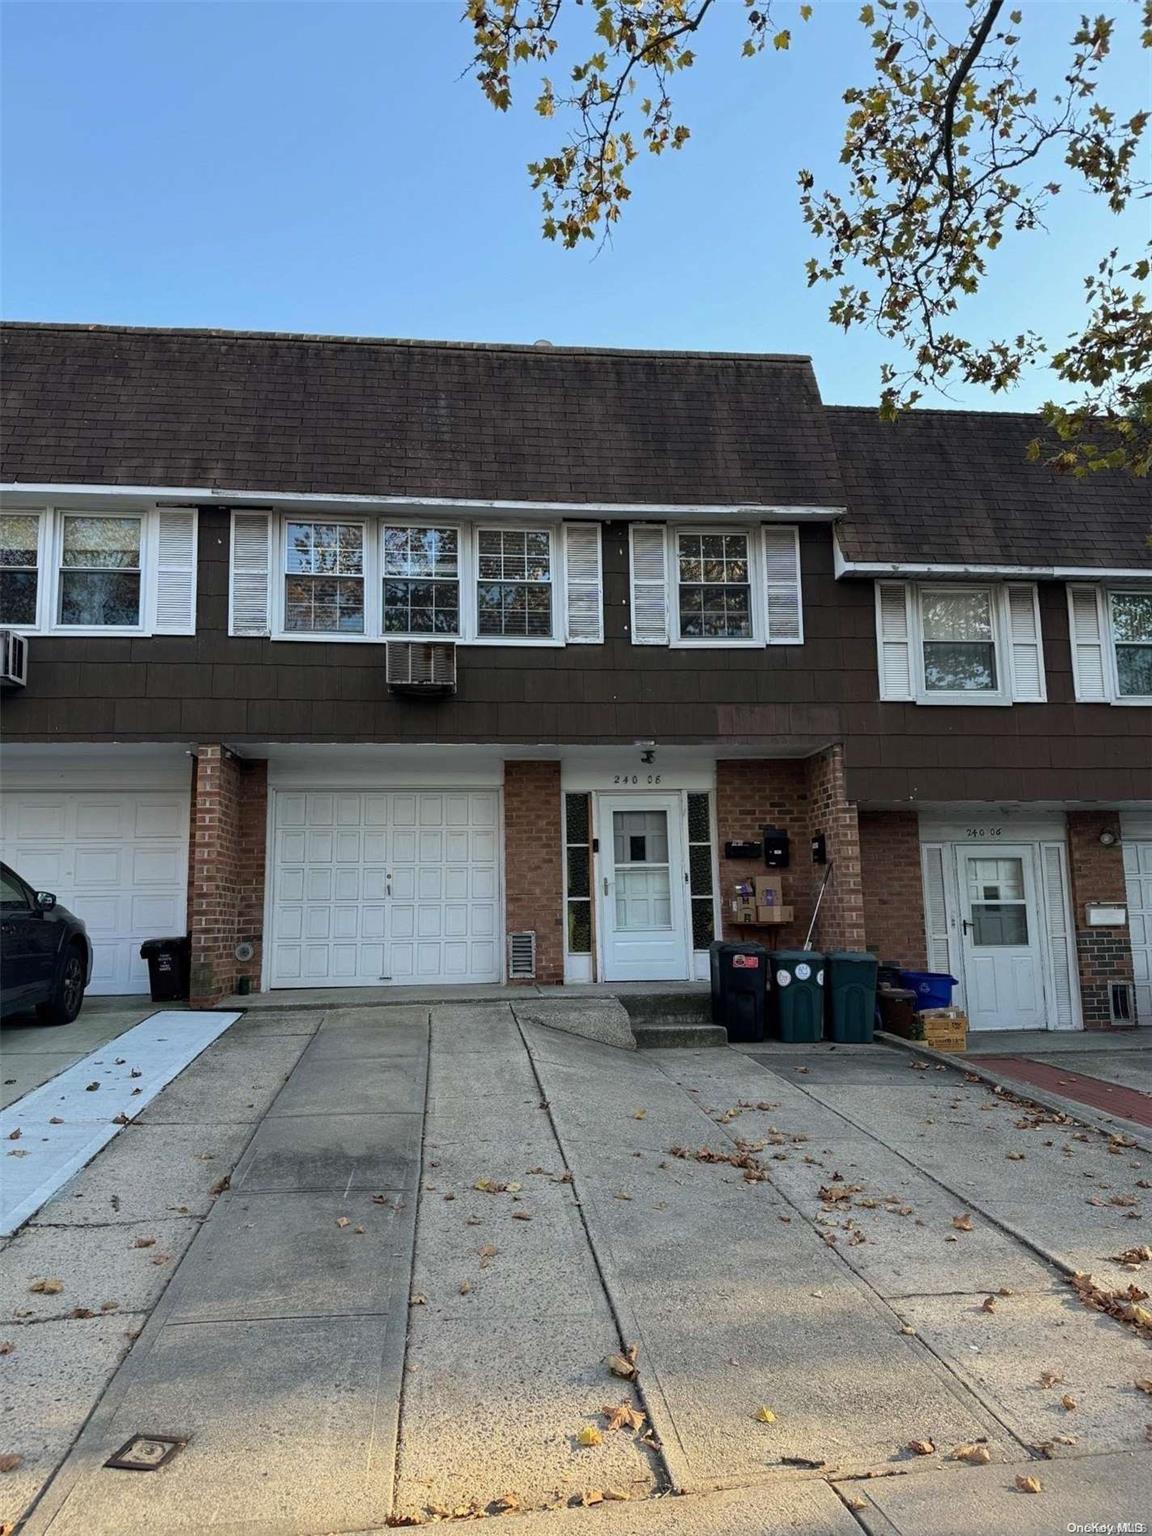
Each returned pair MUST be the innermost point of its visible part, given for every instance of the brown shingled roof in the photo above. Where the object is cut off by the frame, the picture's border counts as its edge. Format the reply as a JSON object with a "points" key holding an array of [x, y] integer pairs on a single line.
{"points": [[956, 487], [350, 415]]}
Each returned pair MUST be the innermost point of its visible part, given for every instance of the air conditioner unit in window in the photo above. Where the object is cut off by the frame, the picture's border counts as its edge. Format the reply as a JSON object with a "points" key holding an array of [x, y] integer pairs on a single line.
{"points": [[421, 666], [13, 659]]}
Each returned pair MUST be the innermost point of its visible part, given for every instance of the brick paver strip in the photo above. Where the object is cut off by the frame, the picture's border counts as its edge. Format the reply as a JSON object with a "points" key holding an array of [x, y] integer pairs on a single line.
{"points": [[1127, 1103]]}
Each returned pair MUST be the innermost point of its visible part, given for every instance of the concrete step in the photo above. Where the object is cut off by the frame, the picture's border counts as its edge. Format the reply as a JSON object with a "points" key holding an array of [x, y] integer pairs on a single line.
{"points": [[667, 1007], [670, 1034]]}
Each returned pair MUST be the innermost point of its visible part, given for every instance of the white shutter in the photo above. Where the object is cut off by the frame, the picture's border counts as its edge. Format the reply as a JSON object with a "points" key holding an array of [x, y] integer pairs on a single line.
{"points": [[894, 640], [174, 572], [935, 909], [249, 590], [784, 600], [583, 583], [1087, 630], [649, 585], [1025, 644], [1060, 941]]}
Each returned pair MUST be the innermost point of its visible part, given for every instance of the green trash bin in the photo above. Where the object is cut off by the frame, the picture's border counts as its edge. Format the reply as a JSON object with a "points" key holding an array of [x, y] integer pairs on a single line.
{"points": [[796, 1000], [850, 993]]}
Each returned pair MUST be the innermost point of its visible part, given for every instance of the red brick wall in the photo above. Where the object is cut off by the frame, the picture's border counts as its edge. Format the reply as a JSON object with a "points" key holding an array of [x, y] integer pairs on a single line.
{"points": [[893, 887], [1096, 874], [840, 924], [533, 861], [753, 793], [226, 875]]}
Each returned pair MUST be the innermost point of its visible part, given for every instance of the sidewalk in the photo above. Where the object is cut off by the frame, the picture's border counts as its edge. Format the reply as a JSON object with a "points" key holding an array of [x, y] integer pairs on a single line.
{"points": [[448, 1219]]}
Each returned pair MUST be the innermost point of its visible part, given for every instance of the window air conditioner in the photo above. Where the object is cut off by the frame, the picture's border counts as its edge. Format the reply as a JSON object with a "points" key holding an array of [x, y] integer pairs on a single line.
{"points": [[421, 666], [13, 659]]}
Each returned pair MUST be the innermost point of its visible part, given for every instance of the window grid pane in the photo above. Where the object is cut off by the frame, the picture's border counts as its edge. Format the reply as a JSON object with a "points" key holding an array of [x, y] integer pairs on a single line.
{"points": [[578, 865], [19, 580], [514, 585], [1132, 635], [700, 870], [101, 544], [324, 578], [715, 595], [421, 607]]}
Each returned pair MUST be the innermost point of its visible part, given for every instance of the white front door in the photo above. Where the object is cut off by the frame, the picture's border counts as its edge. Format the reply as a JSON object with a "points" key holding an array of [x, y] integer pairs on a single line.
{"points": [[643, 905], [1000, 924], [1138, 885], [370, 887]]}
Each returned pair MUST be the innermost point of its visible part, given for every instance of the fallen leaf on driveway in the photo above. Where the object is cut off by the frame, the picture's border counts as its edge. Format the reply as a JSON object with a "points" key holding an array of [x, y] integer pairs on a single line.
{"points": [[617, 1495], [487, 1254], [92, 1087], [1068, 1402], [144, 1242], [922, 1447], [988, 1304], [508, 1504], [15, 1135], [624, 1365], [9, 1463], [465, 1287], [640, 1114], [1133, 1256], [221, 1185], [978, 1455], [120, 1119], [1029, 1484], [521, 1215], [1144, 1386], [342, 1221], [417, 1300], [55, 1120], [764, 1416], [1015, 1157], [622, 1416], [7, 1346], [47, 1287], [962, 1223], [589, 1436], [1050, 1378]]}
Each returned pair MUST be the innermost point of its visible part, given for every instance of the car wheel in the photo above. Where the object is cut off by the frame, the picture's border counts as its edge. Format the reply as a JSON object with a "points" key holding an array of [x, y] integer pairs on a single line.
{"points": [[68, 998]]}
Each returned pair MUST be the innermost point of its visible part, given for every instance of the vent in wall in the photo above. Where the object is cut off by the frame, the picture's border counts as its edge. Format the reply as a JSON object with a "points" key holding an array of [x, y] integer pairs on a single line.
{"points": [[1121, 1004], [521, 956]]}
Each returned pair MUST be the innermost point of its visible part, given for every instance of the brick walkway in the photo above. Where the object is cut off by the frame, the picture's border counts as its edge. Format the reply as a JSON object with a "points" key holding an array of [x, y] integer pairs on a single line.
{"points": [[1126, 1103]]}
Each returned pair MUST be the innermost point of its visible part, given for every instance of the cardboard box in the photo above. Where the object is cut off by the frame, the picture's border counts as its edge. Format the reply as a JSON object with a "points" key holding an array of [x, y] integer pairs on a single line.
{"points": [[945, 1029], [769, 890], [774, 916], [743, 910]]}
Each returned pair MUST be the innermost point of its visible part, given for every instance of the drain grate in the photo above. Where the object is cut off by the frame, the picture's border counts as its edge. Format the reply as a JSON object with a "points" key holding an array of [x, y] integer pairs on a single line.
{"points": [[145, 1453]]}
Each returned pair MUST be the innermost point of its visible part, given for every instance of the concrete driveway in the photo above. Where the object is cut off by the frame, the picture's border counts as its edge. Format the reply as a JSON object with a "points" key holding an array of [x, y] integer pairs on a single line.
{"points": [[429, 1263], [32, 1053]]}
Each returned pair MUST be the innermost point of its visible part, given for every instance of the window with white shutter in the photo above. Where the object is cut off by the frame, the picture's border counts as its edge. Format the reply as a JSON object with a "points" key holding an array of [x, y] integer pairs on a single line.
{"points": [[1110, 633], [583, 584], [175, 578], [649, 571], [951, 643], [1025, 644], [935, 908], [249, 609], [1086, 629], [783, 599]]}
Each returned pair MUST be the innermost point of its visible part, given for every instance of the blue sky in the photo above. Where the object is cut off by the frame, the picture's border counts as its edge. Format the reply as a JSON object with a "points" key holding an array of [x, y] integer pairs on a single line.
{"points": [[322, 167]]}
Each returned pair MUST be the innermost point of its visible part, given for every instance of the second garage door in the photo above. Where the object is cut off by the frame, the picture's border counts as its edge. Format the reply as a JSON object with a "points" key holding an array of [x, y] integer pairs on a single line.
{"points": [[119, 861], [370, 887]]}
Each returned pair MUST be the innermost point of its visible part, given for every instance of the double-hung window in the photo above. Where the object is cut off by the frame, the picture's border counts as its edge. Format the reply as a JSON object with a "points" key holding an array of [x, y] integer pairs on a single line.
{"points": [[958, 630], [1131, 615], [19, 568], [421, 581], [514, 583], [324, 578], [100, 565], [74, 571], [714, 586], [1110, 630]]}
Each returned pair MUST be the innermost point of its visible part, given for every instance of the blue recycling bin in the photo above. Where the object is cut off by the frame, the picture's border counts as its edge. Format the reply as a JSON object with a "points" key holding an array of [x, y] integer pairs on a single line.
{"points": [[933, 989]]}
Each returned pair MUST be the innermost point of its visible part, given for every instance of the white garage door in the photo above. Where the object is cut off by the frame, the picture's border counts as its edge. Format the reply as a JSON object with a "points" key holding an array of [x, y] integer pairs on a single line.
{"points": [[119, 861], [379, 886], [1138, 881]]}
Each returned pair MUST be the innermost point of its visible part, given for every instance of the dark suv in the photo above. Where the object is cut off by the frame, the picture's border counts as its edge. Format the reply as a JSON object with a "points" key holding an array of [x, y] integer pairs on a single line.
{"points": [[45, 956]]}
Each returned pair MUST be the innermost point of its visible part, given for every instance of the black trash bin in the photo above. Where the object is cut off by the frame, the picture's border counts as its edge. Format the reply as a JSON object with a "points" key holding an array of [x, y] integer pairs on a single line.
{"points": [[739, 986], [167, 968]]}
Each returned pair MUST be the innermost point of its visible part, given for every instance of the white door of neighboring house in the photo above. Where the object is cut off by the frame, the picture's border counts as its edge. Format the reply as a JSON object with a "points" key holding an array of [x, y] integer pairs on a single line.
{"points": [[643, 892], [1001, 938], [370, 887], [1138, 888], [119, 861]]}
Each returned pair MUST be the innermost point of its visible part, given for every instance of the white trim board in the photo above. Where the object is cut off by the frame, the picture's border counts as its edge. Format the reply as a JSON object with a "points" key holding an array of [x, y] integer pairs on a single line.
{"points": [[158, 1048], [842, 566], [611, 511]]}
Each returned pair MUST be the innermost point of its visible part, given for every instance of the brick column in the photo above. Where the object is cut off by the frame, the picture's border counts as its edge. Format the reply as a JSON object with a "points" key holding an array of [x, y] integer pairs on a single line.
{"points": [[893, 887], [841, 921], [533, 861], [226, 870], [1096, 874]]}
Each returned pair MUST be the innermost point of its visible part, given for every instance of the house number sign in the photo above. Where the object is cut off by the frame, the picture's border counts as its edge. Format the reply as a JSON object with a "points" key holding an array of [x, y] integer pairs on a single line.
{"points": [[983, 834], [629, 779]]}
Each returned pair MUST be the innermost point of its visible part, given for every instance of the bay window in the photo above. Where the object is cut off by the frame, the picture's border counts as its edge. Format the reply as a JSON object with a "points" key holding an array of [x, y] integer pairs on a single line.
{"points": [[324, 578]]}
